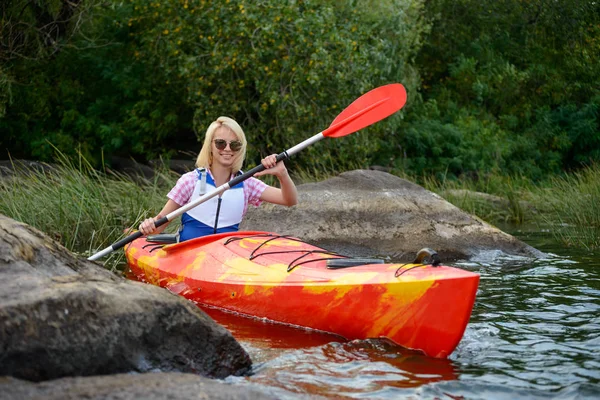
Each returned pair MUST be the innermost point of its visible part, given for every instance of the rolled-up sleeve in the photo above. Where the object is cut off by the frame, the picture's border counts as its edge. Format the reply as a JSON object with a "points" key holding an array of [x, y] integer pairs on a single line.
{"points": [[253, 189], [184, 188]]}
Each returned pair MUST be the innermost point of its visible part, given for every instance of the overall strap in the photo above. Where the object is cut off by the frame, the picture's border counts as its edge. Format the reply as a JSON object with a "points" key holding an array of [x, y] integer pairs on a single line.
{"points": [[202, 177], [220, 199]]}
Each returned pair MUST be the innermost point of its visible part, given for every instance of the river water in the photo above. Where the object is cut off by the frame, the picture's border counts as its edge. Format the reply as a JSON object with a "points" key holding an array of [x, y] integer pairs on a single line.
{"points": [[534, 333]]}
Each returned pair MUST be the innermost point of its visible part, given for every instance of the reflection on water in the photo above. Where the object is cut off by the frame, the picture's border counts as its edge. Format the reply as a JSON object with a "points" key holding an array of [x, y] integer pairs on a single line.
{"points": [[351, 369], [310, 362], [534, 333], [263, 334]]}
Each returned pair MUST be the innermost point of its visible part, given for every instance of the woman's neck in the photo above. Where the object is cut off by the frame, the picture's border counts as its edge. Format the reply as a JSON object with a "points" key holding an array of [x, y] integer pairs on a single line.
{"points": [[220, 174]]}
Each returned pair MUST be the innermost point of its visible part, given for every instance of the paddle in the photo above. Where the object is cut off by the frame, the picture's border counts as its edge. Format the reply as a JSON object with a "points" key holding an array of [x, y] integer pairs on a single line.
{"points": [[369, 108]]}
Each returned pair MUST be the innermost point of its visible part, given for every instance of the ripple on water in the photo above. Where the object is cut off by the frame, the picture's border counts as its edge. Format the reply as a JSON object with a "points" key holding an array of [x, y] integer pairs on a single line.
{"points": [[534, 333], [360, 368]]}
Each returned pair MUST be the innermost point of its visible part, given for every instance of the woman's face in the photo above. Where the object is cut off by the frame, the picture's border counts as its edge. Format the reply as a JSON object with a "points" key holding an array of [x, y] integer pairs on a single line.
{"points": [[226, 156]]}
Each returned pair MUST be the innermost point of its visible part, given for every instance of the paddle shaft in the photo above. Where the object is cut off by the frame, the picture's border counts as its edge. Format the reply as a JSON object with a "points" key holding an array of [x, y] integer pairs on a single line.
{"points": [[217, 192], [371, 107]]}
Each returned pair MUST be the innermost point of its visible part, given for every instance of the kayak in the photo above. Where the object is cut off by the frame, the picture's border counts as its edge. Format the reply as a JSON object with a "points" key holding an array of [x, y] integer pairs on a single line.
{"points": [[420, 306]]}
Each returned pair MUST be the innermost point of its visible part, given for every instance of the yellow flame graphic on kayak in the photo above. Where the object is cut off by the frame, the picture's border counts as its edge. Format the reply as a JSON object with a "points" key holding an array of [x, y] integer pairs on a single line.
{"points": [[252, 276], [150, 266], [190, 269], [340, 285], [398, 295], [252, 243]]}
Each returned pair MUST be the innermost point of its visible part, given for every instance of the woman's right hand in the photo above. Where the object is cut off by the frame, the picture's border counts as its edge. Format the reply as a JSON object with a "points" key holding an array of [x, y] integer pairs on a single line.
{"points": [[147, 226]]}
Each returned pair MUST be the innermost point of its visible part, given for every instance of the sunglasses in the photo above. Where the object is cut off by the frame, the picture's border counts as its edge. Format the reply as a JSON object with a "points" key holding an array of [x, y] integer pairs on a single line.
{"points": [[234, 145]]}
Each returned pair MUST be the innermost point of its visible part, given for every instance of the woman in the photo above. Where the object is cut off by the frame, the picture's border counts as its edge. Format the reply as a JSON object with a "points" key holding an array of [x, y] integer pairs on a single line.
{"points": [[219, 161]]}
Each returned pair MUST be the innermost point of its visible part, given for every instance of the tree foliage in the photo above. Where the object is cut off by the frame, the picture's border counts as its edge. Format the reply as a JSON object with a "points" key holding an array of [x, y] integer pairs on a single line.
{"points": [[282, 69], [518, 83], [494, 86], [33, 31]]}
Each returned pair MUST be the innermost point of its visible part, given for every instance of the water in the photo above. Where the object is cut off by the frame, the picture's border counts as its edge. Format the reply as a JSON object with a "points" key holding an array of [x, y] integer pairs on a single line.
{"points": [[534, 333]]}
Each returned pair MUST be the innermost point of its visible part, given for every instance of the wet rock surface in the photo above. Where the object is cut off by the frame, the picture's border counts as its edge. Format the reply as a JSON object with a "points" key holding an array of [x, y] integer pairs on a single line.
{"points": [[62, 316], [150, 386], [367, 211]]}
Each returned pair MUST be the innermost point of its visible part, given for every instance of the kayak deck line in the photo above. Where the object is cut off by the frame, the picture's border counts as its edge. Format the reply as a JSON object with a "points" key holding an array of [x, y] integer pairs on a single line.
{"points": [[338, 261], [419, 306], [293, 263]]}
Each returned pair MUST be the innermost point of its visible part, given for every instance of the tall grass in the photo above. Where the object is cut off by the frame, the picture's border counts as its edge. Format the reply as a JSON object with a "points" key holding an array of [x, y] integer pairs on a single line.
{"points": [[493, 198], [569, 204], [84, 209], [573, 207]]}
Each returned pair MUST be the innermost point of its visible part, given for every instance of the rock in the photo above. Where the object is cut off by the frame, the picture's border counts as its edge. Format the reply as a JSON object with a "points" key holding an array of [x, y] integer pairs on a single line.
{"points": [[128, 166], [150, 386], [63, 316], [494, 201], [9, 168], [178, 166], [367, 211]]}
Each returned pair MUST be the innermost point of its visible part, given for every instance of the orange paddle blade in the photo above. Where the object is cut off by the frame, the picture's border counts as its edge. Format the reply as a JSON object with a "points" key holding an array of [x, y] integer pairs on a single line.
{"points": [[369, 108]]}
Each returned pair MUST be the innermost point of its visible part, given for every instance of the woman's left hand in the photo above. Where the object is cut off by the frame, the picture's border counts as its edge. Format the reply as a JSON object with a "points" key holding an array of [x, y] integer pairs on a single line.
{"points": [[272, 167]]}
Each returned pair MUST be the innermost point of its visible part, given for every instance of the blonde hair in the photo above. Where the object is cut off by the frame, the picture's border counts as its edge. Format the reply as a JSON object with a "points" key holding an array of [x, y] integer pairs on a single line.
{"points": [[204, 159]]}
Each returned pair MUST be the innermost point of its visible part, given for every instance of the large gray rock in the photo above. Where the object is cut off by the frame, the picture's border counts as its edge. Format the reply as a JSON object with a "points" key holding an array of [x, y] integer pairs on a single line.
{"points": [[151, 386], [63, 316], [9, 168], [366, 211]]}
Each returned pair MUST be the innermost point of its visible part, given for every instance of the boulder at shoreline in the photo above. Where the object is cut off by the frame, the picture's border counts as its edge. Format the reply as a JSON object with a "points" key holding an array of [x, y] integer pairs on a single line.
{"points": [[63, 316], [149, 386], [367, 211]]}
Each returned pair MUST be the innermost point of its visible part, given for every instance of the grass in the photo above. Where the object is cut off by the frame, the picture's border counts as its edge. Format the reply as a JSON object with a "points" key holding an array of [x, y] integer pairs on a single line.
{"points": [[573, 207], [493, 198], [86, 210], [82, 208], [569, 204]]}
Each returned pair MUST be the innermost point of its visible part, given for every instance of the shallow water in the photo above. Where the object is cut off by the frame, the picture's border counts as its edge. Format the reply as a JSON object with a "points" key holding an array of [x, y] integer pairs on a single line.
{"points": [[534, 333]]}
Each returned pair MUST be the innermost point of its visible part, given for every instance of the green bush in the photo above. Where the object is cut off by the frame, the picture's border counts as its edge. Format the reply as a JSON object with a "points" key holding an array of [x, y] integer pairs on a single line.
{"points": [[518, 83], [506, 87], [147, 77], [284, 70]]}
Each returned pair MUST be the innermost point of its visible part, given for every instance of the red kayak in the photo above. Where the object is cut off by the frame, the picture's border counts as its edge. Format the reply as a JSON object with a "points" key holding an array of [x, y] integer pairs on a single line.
{"points": [[418, 306]]}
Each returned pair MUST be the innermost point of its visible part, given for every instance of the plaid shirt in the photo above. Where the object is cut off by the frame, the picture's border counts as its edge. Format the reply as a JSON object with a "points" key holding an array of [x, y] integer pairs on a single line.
{"points": [[184, 188]]}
